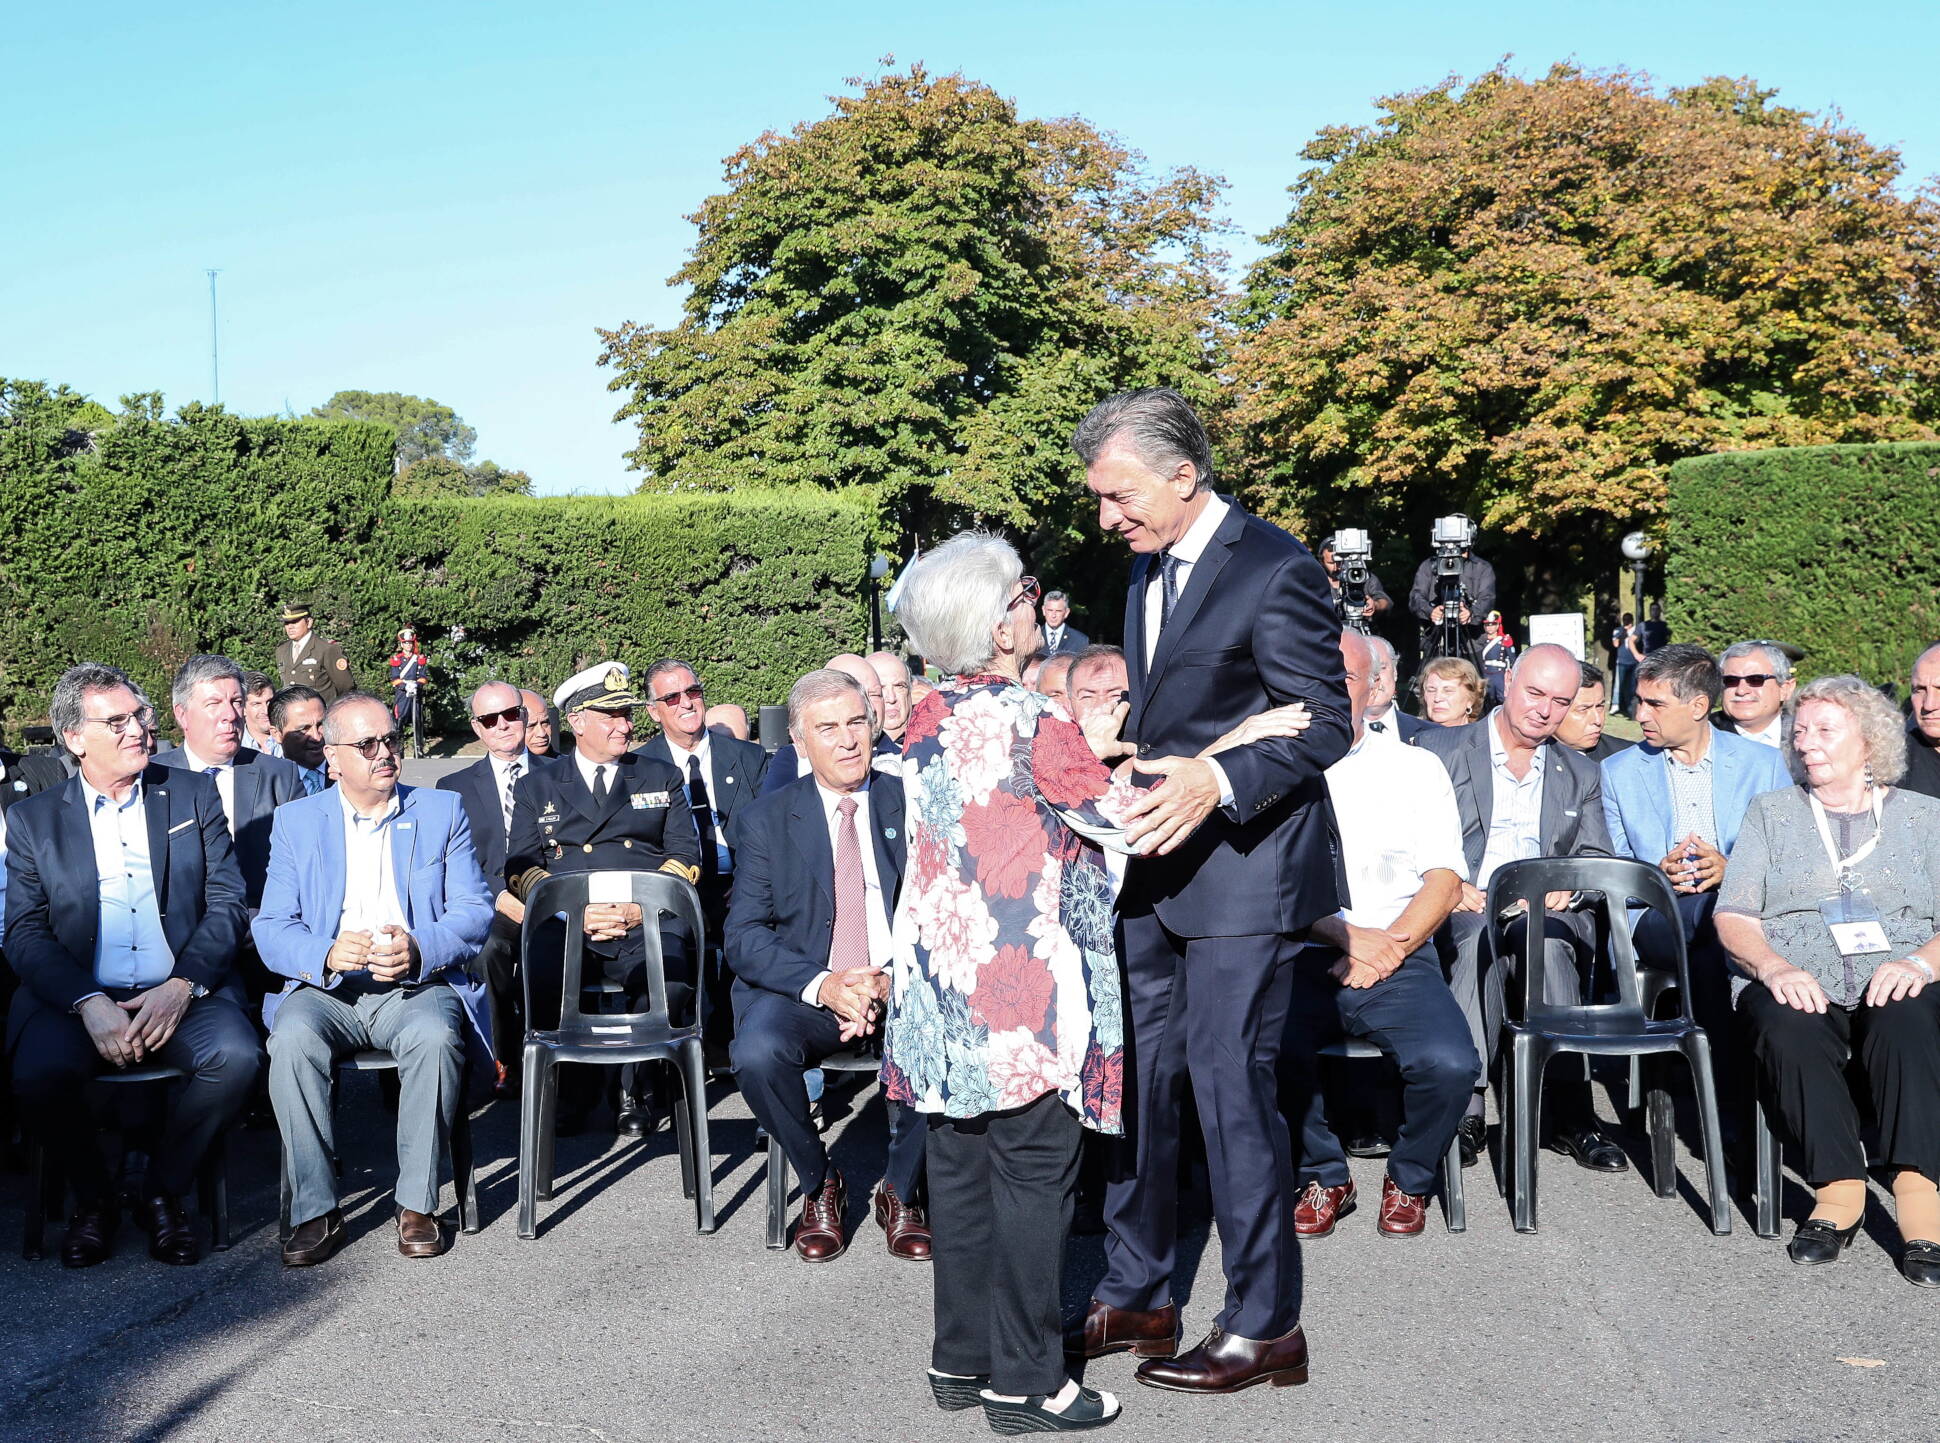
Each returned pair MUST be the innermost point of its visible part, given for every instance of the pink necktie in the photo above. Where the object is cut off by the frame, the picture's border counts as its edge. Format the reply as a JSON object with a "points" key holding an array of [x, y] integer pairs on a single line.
{"points": [[849, 946]]}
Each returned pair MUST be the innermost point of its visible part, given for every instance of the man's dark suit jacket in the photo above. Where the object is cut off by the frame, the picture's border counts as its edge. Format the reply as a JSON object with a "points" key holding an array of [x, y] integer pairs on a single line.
{"points": [[1254, 628], [53, 895], [1070, 643], [735, 770], [1922, 765], [783, 912], [477, 788], [263, 783], [1572, 823], [785, 766], [26, 775], [1404, 726]]}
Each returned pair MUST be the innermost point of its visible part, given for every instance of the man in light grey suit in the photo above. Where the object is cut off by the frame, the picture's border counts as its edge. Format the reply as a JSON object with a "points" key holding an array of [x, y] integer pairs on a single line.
{"points": [[1522, 795]]}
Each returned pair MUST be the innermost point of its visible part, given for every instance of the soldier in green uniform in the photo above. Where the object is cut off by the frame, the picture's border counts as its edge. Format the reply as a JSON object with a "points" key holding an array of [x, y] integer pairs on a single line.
{"points": [[606, 809], [307, 659]]}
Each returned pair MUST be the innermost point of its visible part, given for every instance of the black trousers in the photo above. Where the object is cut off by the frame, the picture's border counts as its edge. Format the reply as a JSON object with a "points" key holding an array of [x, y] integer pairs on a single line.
{"points": [[1413, 1017], [53, 1061], [498, 967], [622, 962], [1802, 1058], [1710, 999], [775, 1039], [1000, 1189], [1209, 1011]]}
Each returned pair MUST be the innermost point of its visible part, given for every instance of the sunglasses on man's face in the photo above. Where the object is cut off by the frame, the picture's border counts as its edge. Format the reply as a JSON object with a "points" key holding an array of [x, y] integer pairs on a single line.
{"points": [[499, 718], [1750, 678], [696, 692], [369, 747]]}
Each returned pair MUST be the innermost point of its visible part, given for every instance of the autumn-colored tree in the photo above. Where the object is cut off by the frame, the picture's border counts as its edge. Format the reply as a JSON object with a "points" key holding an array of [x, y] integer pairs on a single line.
{"points": [[925, 292], [1527, 298]]}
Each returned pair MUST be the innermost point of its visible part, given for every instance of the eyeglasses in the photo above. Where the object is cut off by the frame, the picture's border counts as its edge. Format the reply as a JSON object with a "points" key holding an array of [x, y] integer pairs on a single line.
{"points": [[497, 718], [369, 747], [1750, 678], [1028, 591], [696, 692], [122, 723]]}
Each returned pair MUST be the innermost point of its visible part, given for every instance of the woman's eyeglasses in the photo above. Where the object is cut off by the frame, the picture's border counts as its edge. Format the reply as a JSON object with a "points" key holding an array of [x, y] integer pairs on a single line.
{"points": [[1028, 591]]}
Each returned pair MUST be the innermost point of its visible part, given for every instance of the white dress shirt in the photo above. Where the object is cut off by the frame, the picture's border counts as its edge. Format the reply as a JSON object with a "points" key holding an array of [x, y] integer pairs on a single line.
{"points": [[1382, 731], [1398, 822], [1516, 814], [130, 948], [370, 880], [1186, 551], [225, 779], [881, 938], [1772, 734], [722, 861], [587, 767], [502, 765]]}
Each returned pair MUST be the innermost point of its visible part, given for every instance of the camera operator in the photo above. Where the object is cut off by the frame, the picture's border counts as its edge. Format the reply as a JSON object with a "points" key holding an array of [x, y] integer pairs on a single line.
{"points": [[1454, 589], [1359, 596]]}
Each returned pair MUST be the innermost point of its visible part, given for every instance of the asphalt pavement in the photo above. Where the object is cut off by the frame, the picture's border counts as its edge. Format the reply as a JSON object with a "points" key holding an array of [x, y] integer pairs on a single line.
{"points": [[1623, 1318]]}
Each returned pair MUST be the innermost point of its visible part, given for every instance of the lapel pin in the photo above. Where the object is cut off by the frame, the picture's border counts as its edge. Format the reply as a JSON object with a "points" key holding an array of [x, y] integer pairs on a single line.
{"points": [[889, 833], [728, 782]]}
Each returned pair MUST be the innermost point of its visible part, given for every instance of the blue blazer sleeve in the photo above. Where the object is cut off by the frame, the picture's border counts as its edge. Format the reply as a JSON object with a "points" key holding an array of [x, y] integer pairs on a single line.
{"points": [[453, 938]]}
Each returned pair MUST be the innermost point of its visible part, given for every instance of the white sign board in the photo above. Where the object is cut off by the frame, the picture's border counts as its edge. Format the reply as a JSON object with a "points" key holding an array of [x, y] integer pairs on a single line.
{"points": [[1561, 628]]}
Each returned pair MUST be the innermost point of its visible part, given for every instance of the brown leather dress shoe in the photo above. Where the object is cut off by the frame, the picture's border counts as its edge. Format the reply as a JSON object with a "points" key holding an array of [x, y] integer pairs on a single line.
{"points": [[170, 1238], [819, 1235], [418, 1235], [1403, 1214], [315, 1241], [1226, 1362], [1318, 1208], [89, 1234], [904, 1226], [1102, 1329]]}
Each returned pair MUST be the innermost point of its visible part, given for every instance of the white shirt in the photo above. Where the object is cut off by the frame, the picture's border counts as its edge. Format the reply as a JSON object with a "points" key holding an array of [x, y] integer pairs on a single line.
{"points": [[130, 948], [1186, 551], [1398, 822], [370, 881], [1771, 735], [722, 861], [1382, 731], [501, 765], [225, 779], [881, 939], [587, 766], [1516, 814]]}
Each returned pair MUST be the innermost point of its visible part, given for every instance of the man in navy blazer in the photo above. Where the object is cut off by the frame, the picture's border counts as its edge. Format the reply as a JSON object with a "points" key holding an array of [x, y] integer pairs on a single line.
{"points": [[809, 976], [124, 911], [374, 910], [1227, 616], [887, 754]]}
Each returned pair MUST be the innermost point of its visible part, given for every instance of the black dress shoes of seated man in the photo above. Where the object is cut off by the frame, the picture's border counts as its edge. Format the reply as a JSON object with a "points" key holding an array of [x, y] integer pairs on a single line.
{"points": [[91, 1230], [1590, 1149]]}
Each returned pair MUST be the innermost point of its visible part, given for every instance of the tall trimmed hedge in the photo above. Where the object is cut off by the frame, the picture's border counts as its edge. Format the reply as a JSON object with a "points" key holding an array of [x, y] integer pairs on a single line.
{"points": [[1833, 548], [137, 539]]}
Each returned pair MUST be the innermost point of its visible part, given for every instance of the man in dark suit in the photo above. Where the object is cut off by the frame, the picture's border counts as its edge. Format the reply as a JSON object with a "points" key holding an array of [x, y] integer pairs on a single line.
{"points": [[887, 755], [1521, 795], [809, 940], [722, 775], [1060, 637], [607, 809], [306, 659], [1384, 722], [487, 788], [1582, 725], [209, 707], [1923, 726], [1227, 616], [124, 910], [1758, 687], [296, 719]]}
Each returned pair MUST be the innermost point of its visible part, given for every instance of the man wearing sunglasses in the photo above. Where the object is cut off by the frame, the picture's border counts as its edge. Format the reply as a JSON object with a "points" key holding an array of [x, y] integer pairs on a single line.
{"points": [[125, 908], [1758, 687], [374, 910], [500, 721]]}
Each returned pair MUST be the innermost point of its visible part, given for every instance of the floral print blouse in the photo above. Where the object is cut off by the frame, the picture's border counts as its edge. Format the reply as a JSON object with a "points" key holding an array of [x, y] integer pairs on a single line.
{"points": [[1005, 983]]}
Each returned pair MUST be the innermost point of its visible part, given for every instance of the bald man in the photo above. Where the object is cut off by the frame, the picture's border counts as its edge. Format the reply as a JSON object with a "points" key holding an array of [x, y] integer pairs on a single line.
{"points": [[894, 677], [1521, 794], [786, 765], [1923, 730]]}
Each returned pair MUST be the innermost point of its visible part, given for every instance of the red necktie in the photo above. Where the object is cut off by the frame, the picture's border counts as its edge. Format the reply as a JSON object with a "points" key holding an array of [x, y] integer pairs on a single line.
{"points": [[849, 945]]}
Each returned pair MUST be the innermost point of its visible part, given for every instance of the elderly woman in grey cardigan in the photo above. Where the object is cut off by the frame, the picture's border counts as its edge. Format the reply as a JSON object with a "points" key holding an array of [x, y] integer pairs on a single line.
{"points": [[1829, 908]]}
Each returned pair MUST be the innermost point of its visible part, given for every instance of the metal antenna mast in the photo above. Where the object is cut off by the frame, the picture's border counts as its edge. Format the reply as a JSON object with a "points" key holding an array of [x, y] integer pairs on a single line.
{"points": [[215, 374]]}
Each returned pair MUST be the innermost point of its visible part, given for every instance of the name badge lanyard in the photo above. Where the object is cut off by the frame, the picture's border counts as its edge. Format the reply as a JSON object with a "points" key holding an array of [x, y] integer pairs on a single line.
{"points": [[1843, 866], [1854, 922]]}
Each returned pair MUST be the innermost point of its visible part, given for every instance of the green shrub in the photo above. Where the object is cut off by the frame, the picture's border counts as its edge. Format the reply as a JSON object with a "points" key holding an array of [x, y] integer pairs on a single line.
{"points": [[1833, 548]]}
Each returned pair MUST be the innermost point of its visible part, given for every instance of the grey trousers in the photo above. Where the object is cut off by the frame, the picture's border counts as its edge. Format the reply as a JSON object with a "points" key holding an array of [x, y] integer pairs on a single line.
{"points": [[423, 1027], [1480, 980]]}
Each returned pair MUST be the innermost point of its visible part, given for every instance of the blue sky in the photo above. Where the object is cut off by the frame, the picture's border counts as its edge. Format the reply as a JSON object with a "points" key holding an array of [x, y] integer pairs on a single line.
{"points": [[446, 199]]}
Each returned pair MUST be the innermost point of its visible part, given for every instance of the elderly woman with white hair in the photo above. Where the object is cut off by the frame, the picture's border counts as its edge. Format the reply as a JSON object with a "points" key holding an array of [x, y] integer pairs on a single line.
{"points": [[1005, 1021], [1829, 907]]}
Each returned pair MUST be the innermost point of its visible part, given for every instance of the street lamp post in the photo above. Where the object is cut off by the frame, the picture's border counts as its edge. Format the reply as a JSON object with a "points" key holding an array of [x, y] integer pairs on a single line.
{"points": [[878, 569], [1636, 550]]}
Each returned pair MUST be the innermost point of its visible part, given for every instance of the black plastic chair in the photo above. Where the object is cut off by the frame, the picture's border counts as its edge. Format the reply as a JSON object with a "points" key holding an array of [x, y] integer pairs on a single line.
{"points": [[464, 1176], [1454, 1200], [47, 1191], [778, 1170], [610, 1038], [1610, 1029]]}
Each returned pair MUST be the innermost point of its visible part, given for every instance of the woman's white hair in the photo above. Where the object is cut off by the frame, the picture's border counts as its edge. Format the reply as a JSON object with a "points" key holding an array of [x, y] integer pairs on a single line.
{"points": [[956, 596], [1880, 725]]}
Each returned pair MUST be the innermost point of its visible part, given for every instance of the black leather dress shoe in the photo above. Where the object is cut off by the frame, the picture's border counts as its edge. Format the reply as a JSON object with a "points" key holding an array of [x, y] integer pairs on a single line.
{"points": [[638, 1116], [1474, 1136], [1369, 1144], [315, 1240], [1920, 1264], [170, 1238], [89, 1234], [1590, 1148], [1818, 1241]]}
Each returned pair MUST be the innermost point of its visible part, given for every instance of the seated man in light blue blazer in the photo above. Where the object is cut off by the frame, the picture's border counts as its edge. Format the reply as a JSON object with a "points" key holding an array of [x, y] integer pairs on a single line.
{"points": [[1677, 802], [374, 909]]}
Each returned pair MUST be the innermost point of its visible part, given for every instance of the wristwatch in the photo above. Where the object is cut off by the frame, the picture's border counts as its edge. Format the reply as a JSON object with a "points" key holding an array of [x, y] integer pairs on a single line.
{"points": [[196, 989]]}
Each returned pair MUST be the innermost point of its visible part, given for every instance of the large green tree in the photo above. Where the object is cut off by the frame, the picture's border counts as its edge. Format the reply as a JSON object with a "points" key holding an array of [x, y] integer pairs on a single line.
{"points": [[1529, 297], [922, 291], [424, 428]]}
